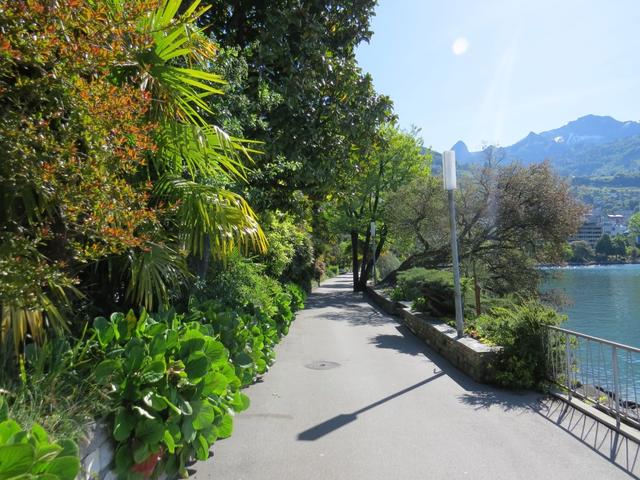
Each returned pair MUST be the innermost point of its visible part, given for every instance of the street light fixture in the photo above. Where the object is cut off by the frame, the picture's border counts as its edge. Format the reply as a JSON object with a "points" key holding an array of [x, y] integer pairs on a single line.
{"points": [[450, 184]]}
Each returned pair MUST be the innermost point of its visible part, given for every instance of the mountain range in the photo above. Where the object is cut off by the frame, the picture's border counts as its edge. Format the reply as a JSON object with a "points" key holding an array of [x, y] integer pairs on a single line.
{"points": [[589, 146]]}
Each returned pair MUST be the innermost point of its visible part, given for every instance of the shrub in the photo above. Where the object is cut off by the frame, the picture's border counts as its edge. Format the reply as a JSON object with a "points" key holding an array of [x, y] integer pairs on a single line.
{"points": [[300, 270], [174, 390], [30, 454], [238, 282], [519, 329], [432, 289], [387, 263], [249, 337], [332, 271], [54, 388], [250, 333], [282, 235], [298, 296]]}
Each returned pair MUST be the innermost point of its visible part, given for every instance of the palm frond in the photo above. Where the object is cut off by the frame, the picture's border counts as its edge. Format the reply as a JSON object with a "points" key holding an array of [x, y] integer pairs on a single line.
{"points": [[199, 151], [154, 271], [205, 210], [19, 322], [179, 90]]}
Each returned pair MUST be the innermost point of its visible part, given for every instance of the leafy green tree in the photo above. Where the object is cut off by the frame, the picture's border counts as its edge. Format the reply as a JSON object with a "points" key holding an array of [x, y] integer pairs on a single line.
{"points": [[113, 173], [376, 172], [634, 224], [510, 217], [297, 87], [619, 246], [605, 246], [581, 252]]}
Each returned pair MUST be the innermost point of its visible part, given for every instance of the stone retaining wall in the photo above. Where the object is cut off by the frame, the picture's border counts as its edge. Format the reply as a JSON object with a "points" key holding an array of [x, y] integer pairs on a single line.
{"points": [[468, 354], [96, 454]]}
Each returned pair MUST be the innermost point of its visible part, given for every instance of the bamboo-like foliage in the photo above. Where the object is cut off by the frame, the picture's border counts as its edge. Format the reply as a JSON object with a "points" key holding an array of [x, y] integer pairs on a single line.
{"points": [[190, 147], [152, 270], [206, 211], [138, 178]]}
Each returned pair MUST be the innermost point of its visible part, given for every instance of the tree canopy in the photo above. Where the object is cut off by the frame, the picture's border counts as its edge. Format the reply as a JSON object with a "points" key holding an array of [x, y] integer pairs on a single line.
{"points": [[509, 217]]}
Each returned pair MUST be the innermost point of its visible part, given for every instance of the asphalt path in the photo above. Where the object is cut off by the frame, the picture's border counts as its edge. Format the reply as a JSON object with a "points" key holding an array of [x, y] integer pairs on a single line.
{"points": [[354, 395]]}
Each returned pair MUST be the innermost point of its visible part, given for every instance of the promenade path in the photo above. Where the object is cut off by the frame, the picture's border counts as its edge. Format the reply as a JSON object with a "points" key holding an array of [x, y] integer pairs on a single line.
{"points": [[394, 409]]}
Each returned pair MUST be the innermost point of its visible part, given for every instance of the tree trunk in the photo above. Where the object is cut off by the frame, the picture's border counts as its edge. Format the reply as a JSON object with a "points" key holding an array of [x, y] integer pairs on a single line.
{"points": [[354, 258], [368, 269], [364, 266]]}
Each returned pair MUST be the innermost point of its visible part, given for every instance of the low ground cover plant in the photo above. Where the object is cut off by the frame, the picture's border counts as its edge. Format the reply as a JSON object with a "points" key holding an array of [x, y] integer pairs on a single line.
{"points": [[431, 290], [519, 329], [31, 454], [174, 389]]}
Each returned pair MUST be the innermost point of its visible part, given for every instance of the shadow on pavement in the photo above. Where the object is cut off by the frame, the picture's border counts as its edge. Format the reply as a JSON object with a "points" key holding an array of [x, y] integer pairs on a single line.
{"points": [[339, 303], [617, 449], [341, 420], [476, 394]]}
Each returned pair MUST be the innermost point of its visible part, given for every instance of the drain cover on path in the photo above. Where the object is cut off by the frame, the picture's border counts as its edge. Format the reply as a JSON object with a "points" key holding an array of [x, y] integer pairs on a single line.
{"points": [[322, 365]]}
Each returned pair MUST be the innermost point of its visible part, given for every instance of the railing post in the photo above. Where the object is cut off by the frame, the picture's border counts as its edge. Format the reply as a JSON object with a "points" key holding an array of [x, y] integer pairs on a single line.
{"points": [[567, 354], [616, 384]]}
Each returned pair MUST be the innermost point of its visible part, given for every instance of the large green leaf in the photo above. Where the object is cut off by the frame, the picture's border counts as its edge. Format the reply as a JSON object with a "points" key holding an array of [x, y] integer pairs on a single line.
{"points": [[16, 460], [154, 371], [123, 424], [65, 468], [202, 448], [203, 415], [197, 365], [150, 431], [214, 383], [225, 427], [104, 330], [216, 352], [8, 428], [105, 369]]}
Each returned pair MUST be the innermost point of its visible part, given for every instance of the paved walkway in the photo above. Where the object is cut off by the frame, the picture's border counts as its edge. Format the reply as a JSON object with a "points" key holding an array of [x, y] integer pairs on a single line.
{"points": [[393, 409]]}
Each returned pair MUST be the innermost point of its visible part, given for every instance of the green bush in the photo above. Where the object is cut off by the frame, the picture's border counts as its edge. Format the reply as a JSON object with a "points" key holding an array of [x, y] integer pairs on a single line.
{"points": [[53, 388], [289, 257], [387, 263], [238, 282], [332, 271], [30, 454], [298, 296], [251, 332], [431, 290], [300, 270], [519, 329], [282, 235], [174, 390], [249, 337]]}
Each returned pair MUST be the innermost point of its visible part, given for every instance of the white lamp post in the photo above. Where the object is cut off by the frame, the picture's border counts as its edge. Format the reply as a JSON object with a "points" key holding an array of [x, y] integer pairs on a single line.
{"points": [[373, 248], [450, 184]]}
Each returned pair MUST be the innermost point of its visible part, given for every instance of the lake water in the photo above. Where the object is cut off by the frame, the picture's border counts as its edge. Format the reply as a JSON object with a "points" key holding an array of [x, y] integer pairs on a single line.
{"points": [[605, 300]]}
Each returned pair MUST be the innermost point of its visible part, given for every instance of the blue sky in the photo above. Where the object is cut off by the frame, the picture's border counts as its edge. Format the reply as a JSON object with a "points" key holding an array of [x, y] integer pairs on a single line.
{"points": [[528, 65]]}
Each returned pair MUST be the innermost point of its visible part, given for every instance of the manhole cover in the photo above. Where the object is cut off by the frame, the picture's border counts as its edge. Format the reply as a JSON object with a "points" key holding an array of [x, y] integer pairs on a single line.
{"points": [[322, 365]]}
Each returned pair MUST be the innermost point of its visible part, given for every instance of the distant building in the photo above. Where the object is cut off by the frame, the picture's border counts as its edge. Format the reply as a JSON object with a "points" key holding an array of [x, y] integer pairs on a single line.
{"points": [[595, 224], [590, 231], [614, 225]]}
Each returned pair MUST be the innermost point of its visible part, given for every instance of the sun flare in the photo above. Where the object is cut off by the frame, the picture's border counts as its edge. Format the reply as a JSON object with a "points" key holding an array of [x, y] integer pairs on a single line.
{"points": [[460, 46]]}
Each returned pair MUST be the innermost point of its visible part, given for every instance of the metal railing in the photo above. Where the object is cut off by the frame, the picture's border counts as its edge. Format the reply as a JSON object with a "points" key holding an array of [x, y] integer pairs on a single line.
{"points": [[603, 373]]}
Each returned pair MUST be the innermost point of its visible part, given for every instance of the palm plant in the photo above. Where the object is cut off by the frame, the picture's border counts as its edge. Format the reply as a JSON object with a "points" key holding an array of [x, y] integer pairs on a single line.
{"points": [[194, 160], [191, 170]]}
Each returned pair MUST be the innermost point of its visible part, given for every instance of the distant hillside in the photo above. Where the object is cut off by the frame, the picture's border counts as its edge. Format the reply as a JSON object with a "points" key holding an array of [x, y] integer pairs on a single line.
{"points": [[589, 146]]}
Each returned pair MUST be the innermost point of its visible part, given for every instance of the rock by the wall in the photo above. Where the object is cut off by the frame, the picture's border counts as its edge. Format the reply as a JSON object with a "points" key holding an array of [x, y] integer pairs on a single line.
{"points": [[96, 453]]}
